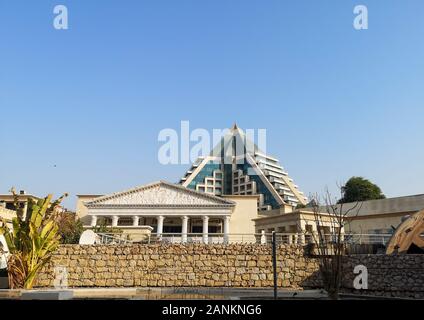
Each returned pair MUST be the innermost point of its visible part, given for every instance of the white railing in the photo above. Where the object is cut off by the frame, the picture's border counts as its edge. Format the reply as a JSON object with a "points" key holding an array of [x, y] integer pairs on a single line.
{"points": [[210, 238], [112, 238], [260, 238], [368, 238]]}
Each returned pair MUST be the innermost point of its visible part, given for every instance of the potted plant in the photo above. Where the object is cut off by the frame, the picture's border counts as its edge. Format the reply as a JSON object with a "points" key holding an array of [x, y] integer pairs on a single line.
{"points": [[32, 240]]}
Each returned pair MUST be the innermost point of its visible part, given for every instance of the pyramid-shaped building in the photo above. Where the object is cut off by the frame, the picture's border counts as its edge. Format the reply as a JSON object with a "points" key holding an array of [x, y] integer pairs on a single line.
{"points": [[236, 166]]}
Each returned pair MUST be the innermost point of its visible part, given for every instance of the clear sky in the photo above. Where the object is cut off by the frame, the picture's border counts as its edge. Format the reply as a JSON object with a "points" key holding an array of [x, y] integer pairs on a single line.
{"points": [[81, 108]]}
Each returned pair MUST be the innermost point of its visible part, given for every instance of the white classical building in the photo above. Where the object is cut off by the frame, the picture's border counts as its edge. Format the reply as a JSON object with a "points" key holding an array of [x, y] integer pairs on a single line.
{"points": [[170, 210]]}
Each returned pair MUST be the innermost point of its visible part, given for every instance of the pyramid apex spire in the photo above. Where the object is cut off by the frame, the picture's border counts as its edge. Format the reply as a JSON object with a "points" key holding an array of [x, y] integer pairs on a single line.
{"points": [[236, 152]]}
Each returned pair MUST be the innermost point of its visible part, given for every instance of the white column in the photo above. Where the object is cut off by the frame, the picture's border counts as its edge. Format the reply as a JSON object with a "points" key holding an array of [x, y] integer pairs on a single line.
{"points": [[135, 221], [302, 232], [205, 228], [115, 220], [25, 210], [159, 230], [290, 238], [301, 238], [263, 237], [226, 228], [296, 238], [93, 221], [184, 229], [342, 234]]}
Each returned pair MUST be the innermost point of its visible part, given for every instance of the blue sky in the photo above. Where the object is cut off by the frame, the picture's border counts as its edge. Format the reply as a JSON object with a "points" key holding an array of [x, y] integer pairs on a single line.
{"points": [[81, 109]]}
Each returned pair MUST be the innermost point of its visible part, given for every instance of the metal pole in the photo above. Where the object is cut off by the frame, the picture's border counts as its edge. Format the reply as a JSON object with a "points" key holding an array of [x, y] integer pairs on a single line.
{"points": [[274, 263]]}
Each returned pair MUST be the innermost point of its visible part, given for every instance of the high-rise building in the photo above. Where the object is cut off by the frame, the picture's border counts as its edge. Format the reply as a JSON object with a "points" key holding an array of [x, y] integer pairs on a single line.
{"points": [[236, 166]]}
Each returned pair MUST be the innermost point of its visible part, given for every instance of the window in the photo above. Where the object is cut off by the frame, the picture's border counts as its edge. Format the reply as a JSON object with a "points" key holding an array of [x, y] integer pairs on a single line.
{"points": [[172, 229], [125, 221], [10, 206], [105, 220], [197, 229]]}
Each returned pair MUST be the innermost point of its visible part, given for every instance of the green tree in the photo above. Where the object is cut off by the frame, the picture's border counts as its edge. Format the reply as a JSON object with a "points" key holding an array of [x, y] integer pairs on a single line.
{"points": [[103, 228], [70, 227], [360, 189]]}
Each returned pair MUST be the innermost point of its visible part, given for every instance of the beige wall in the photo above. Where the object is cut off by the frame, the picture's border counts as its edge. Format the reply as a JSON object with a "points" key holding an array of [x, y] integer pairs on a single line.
{"points": [[7, 215], [245, 210], [358, 224], [292, 222], [280, 223], [368, 224], [9, 198], [82, 210]]}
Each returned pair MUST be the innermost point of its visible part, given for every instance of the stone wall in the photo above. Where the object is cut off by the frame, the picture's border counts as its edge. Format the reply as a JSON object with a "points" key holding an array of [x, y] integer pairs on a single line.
{"points": [[236, 265], [392, 276]]}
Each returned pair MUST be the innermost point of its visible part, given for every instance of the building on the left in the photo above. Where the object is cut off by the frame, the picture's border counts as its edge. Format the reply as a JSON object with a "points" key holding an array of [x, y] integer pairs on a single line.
{"points": [[172, 212], [7, 204]]}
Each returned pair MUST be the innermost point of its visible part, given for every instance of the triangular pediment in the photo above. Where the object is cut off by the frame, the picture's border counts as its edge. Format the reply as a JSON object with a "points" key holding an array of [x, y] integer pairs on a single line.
{"points": [[160, 194]]}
